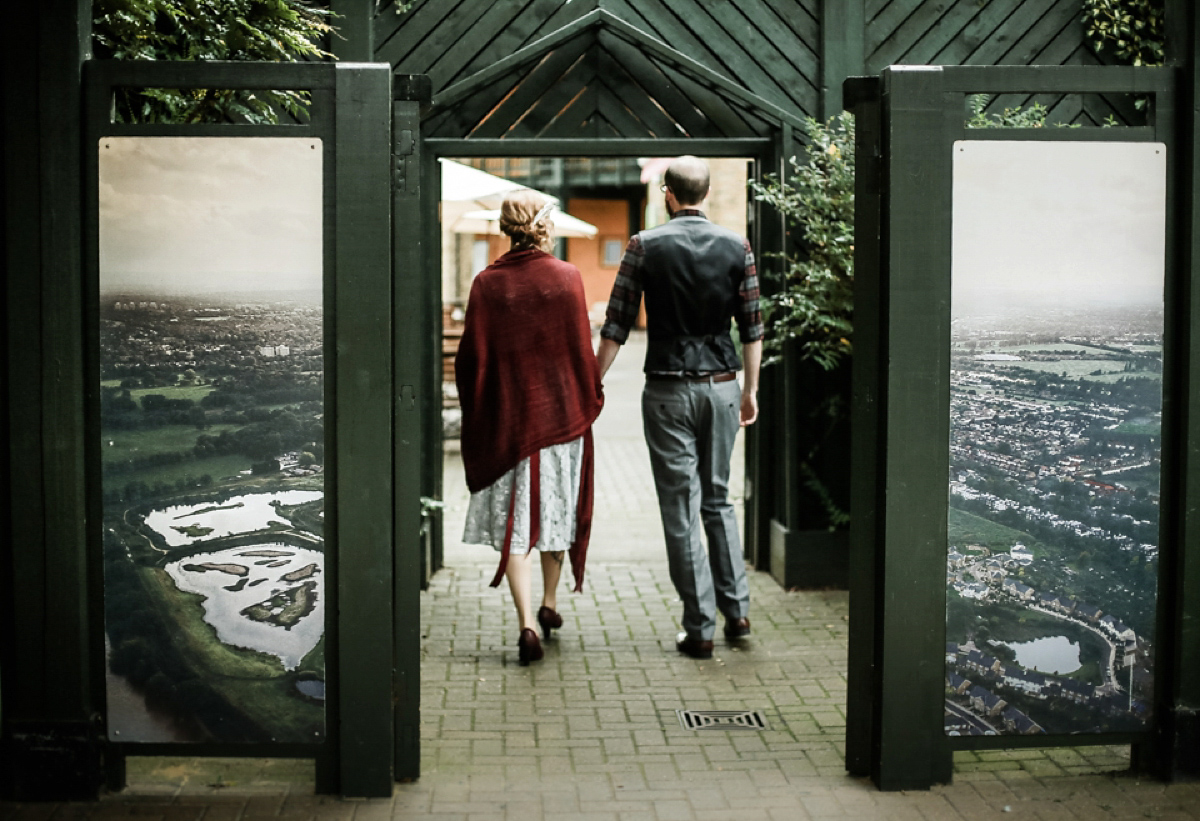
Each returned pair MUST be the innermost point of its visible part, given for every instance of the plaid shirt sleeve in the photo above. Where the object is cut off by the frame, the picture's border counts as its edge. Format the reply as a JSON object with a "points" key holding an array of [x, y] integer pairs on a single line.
{"points": [[750, 322], [626, 296]]}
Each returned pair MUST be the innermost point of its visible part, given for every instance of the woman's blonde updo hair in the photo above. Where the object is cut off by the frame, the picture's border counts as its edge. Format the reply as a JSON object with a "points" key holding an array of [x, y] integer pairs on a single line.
{"points": [[525, 219]]}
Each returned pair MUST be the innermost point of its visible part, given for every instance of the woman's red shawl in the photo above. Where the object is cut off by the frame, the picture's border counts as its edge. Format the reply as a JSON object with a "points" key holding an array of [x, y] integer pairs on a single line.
{"points": [[527, 379]]}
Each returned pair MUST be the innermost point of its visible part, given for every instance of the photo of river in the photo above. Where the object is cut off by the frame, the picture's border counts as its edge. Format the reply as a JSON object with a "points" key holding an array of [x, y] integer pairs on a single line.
{"points": [[212, 440]]}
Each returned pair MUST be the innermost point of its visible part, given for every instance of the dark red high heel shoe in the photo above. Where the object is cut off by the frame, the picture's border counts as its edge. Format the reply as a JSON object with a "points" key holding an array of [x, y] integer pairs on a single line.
{"points": [[528, 647], [549, 620]]}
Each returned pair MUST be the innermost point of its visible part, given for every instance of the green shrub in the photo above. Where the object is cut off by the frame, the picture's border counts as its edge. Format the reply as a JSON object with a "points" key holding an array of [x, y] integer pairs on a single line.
{"points": [[1132, 30], [815, 300]]}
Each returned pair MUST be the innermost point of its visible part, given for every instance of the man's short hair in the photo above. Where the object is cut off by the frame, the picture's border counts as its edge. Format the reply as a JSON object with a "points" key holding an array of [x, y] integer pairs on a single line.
{"points": [[687, 177]]}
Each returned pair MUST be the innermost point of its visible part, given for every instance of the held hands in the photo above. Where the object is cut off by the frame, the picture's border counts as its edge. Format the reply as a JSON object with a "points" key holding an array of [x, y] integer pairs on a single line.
{"points": [[749, 407]]}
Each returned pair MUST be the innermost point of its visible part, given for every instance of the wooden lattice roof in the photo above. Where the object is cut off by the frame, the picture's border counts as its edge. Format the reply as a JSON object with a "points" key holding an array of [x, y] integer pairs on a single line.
{"points": [[608, 68]]}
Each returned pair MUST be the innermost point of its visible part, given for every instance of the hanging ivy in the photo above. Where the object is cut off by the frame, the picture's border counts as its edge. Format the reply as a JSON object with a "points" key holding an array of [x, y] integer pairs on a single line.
{"points": [[1132, 31], [258, 30]]}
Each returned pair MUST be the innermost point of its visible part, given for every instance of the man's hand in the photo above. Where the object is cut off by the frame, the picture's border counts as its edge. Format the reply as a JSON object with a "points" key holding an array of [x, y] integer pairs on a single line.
{"points": [[749, 407]]}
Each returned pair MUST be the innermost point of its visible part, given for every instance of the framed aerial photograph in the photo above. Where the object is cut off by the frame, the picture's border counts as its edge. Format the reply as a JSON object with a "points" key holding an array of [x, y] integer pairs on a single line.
{"points": [[212, 440], [1055, 445]]}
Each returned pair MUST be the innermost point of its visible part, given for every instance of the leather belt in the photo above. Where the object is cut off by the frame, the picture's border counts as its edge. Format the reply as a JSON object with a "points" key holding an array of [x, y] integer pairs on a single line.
{"points": [[671, 377]]}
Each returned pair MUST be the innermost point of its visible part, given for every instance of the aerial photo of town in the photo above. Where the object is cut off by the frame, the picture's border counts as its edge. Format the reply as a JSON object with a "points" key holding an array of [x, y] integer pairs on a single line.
{"points": [[1054, 486], [1055, 437], [211, 439]]}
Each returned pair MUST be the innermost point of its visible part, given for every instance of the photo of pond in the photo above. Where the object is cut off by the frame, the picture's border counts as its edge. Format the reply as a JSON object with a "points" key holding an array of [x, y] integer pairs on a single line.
{"points": [[212, 442], [184, 524], [268, 597], [1052, 654]]}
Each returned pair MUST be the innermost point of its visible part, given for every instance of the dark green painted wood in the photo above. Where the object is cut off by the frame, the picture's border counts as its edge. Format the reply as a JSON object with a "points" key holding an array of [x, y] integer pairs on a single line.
{"points": [[802, 18], [676, 105], [1048, 135], [532, 87], [1176, 753], [842, 50], [408, 249], [464, 116], [961, 49], [221, 74], [398, 36], [1053, 79], [555, 102], [723, 118], [499, 31], [750, 51], [748, 147], [47, 737], [911, 602], [627, 92], [356, 30], [65, 33], [868, 443], [23, 547], [530, 53], [362, 310]]}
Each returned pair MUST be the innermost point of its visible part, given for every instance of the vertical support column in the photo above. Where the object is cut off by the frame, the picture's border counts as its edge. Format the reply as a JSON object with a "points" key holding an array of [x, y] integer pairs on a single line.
{"points": [[868, 449], [364, 496], [408, 249], [910, 596], [843, 35], [762, 456], [355, 40], [47, 736], [1177, 753]]}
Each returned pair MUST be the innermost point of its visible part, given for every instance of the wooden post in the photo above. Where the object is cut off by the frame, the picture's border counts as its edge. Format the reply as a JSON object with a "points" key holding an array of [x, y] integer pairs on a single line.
{"points": [[48, 665], [355, 40], [910, 595], [408, 261], [1176, 753], [843, 42], [364, 422], [868, 444]]}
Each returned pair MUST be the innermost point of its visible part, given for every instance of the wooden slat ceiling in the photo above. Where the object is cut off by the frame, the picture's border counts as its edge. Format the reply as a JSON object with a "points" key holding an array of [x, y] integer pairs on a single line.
{"points": [[602, 83]]}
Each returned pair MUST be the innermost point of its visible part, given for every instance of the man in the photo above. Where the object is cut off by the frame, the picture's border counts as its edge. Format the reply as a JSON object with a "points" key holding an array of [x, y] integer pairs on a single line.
{"points": [[696, 276]]}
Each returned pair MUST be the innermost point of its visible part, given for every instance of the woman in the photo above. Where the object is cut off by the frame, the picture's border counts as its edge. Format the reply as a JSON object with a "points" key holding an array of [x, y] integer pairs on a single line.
{"points": [[530, 390]]}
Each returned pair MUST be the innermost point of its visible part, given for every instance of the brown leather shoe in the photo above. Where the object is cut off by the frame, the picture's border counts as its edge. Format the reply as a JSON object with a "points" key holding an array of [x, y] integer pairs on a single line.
{"points": [[737, 628], [696, 648]]}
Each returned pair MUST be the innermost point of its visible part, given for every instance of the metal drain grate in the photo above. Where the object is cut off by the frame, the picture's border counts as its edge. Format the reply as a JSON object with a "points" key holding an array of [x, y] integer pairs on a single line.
{"points": [[722, 720]]}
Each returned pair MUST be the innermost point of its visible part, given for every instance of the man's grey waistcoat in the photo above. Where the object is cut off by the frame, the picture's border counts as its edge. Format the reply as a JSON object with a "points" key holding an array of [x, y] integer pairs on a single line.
{"points": [[692, 270]]}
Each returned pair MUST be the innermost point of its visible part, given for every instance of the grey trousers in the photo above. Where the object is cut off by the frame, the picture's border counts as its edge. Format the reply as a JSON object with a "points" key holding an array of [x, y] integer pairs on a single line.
{"points": [[690, 429]]}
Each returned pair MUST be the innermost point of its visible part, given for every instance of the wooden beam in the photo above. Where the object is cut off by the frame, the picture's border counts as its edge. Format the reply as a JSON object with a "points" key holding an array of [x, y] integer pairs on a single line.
{"points": [[909, 748], [843, 33], [355, 42], [363, 424], [720, 147]]}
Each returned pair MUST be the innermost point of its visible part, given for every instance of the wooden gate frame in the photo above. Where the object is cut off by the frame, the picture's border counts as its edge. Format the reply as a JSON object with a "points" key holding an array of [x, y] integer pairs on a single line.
{"points": [[351, 115], [908, 120]]}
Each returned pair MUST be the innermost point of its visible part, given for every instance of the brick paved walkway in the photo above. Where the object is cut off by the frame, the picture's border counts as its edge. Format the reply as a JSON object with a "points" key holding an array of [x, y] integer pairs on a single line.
{"points": [[591, 732]]}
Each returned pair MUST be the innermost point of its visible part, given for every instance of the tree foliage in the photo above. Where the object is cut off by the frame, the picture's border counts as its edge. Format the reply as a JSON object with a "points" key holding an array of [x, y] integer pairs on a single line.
{"points": [[1132, 30], [259, 30], [815, 302]]}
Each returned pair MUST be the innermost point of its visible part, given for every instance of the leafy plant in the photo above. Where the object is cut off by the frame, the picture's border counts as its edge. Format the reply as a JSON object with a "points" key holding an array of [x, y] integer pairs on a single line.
{"points": [[814, 304], [1032, 117], [1133, 30], [261, 30], [810, 313]]}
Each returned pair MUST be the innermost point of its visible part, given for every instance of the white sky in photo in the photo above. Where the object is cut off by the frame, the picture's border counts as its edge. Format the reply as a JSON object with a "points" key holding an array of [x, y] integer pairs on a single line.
{"points": [[197, 215], [1047, 225]]}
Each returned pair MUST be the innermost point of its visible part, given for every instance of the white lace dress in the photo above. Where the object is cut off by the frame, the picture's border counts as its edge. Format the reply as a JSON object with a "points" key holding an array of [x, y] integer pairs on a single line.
{"points": [[561, 467]]}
